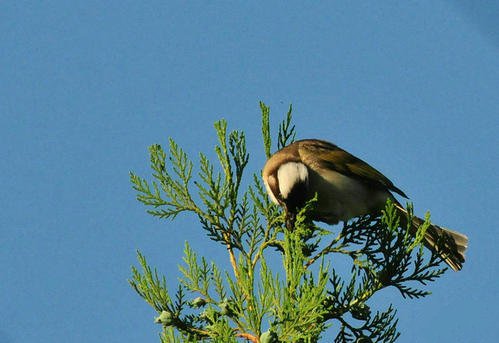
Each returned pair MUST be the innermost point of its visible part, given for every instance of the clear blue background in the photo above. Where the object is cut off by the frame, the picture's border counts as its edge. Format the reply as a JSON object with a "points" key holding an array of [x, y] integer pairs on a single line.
{"points": [[86, 87]]}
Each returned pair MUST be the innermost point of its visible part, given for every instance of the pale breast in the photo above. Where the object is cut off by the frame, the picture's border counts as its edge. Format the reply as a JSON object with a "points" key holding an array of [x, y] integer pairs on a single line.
{"points": [[341, 197]]}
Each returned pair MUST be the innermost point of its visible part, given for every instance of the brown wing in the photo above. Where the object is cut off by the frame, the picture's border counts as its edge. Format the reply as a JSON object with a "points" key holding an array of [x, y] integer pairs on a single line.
{"points": [[322, 154]]}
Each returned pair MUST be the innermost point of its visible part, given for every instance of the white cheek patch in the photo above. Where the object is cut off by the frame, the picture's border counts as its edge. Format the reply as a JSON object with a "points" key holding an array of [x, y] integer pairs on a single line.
{"points": [[269, 190], [289, 174]]}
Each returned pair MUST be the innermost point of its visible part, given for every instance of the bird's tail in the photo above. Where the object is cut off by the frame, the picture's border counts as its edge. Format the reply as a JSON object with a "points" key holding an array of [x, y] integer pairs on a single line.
{"points": [[450, 245]]}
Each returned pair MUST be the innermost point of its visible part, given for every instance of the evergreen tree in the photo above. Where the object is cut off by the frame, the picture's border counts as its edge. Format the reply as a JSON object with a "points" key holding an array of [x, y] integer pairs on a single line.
{"points": [[251, 301]]}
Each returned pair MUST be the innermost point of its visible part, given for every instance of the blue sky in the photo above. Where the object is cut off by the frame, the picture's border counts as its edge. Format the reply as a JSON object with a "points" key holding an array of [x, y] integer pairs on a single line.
{"points": [[86, 87]]}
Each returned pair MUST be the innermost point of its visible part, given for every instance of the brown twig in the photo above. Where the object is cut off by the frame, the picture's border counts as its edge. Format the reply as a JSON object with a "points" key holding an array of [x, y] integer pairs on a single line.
{"points": [[249, 337]]}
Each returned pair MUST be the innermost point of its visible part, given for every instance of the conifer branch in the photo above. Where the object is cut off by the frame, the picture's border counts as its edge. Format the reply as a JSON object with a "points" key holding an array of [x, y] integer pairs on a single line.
{"points": [[304, 300]]}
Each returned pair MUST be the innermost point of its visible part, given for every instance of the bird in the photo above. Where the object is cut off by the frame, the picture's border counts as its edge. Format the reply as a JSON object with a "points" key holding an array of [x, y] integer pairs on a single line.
{"points": [[346, 187]]}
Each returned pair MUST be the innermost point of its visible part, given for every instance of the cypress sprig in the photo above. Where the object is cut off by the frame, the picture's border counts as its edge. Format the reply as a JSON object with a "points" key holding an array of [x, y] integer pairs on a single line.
{"points": [[253, 297]]}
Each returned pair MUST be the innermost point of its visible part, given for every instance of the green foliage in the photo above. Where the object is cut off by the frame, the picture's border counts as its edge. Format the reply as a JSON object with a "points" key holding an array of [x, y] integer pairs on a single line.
{"points": [[303, 300]]}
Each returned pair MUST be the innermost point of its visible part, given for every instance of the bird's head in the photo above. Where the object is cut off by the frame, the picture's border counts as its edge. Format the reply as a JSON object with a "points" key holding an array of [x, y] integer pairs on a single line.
{"points": [[286, 179], [288, 185]]}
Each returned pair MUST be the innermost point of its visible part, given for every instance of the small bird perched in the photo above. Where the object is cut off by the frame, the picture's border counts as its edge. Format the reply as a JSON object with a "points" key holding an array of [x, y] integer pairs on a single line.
{"points": [[346, 187]]}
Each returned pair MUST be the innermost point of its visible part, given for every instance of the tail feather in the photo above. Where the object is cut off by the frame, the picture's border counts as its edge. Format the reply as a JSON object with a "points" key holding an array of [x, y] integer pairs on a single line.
{"points": [[450, 245]]}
